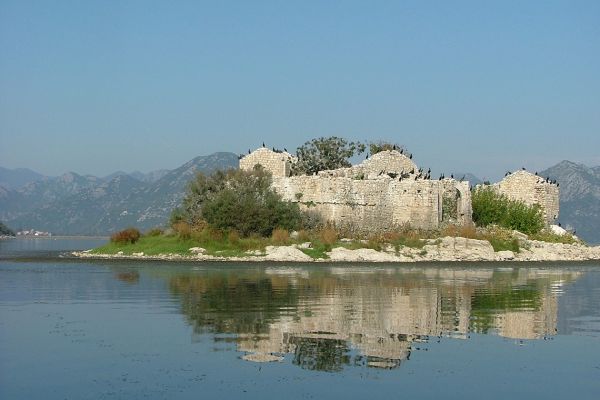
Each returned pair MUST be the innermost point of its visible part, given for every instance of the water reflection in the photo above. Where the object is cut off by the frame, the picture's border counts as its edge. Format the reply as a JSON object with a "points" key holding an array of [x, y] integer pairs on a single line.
{"points": [[329, 318]]}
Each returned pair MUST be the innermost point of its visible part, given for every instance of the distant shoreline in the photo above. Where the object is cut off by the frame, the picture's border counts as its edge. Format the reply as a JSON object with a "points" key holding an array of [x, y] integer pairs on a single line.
{"points": [[58, 237]]}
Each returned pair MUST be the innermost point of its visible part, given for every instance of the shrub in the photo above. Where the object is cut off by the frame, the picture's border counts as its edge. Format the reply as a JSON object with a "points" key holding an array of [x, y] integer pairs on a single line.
{"points": [[238, 200], [233, 237], [328, 236], [129, 235], [154, 232], [183, 229], [280, 236], [490, 207]]}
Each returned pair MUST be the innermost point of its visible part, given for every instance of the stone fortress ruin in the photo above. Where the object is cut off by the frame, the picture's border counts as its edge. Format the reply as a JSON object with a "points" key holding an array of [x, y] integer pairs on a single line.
{"points": [[388, 190]]}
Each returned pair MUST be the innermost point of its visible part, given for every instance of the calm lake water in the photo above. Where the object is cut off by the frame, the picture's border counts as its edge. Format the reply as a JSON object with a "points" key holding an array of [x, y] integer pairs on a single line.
{"points": [[128, 330]]}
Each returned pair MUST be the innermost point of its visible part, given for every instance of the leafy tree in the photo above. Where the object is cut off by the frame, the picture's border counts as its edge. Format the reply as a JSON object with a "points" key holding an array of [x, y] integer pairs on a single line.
{"points": [[325, 153], [237, 200], [490, 207]]}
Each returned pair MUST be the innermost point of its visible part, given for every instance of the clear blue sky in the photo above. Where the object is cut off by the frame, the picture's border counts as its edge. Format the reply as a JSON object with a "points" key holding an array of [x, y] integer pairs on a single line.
{"points": [[99, 86]]}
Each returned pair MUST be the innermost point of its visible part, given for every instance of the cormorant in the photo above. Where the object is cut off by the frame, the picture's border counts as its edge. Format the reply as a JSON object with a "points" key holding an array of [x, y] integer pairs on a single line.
{"points": [[557, 184], [284, 149], [410, 156], [263, 144], [523, 168], [367, 156], [452, 176], [249, 151], [535, 173]]}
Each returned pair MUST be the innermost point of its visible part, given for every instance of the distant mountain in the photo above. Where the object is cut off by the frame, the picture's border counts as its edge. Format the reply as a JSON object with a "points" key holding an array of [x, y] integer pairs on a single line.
{"points": [[15, 178], [152, 176], [579, 198], [73, 204], [467, 176]]}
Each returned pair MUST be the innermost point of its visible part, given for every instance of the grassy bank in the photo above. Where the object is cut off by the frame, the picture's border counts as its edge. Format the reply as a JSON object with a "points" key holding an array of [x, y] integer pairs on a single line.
{"points": [[316, 244]]}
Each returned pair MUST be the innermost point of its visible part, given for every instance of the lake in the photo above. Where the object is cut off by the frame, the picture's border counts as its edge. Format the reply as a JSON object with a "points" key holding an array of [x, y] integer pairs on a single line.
{"points": [[73, 329]]}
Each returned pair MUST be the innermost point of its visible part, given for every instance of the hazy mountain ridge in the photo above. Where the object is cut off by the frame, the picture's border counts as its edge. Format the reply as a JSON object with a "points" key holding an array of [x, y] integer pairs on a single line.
{"points": [[12, 179], [579, 198], [87, 205]]}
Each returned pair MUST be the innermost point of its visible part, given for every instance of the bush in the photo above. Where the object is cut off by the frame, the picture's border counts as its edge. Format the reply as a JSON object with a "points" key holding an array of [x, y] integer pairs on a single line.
{"points": [[154, 232], [129, 235], [238, 200], [183, 229], [490, 207], [280, 236], [328, 236]]}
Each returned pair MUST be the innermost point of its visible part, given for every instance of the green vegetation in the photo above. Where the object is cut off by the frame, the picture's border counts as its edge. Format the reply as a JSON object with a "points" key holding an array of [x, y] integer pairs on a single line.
{"points": [[489, 208], [551, 237], [325, 153], [237, 200], [5, 230], [376, 147], [129, 235]]}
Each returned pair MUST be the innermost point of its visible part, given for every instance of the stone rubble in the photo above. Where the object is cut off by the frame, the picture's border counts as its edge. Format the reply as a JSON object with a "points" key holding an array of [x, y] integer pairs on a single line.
{"points": [[446, 249]]}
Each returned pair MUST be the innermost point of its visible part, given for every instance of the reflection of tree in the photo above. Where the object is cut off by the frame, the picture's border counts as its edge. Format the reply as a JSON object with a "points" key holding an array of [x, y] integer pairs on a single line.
{"points": [[486, 305], [128, 277], [320, 354], [226, 303]]}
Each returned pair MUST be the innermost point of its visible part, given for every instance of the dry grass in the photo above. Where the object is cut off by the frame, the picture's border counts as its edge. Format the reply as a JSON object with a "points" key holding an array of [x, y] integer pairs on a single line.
{"points": [[280, 237]]}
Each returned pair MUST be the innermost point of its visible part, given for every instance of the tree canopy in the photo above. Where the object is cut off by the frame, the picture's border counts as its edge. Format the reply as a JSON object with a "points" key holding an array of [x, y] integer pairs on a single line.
{"points": [[324, 154], [237, 200]]}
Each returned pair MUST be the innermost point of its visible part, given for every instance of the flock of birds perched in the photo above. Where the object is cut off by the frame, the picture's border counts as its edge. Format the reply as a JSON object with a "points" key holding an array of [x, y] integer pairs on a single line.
{"points": [[540, 180]]}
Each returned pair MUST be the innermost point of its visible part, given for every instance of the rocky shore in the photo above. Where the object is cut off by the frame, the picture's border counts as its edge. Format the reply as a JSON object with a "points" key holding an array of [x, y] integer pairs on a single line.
{"points": [[443, 249]]}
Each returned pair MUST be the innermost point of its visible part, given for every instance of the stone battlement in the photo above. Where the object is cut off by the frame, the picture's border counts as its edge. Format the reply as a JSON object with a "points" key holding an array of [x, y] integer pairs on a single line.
{"points": [[381, 193]]}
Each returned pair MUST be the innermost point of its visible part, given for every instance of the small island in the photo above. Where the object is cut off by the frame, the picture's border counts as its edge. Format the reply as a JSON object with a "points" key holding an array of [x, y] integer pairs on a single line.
{"points": [[317, 206]]}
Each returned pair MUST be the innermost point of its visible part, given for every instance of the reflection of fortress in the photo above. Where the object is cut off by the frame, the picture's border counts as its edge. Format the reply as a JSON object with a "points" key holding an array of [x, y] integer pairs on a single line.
{"points": [[380, 313]]}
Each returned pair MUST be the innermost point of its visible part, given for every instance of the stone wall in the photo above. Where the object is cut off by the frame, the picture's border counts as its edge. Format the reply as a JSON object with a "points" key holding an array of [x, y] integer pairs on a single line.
{"points": [[383, 192], [279, 164], [532, 189]]}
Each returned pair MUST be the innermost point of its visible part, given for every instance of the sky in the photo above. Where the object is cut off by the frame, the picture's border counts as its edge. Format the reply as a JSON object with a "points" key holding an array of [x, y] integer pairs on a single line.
{"points": [[483, 87]]}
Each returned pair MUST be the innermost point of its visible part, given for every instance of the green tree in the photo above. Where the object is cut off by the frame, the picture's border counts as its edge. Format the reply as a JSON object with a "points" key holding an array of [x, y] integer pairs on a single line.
{"points": [[490, 207], [237, 200], [324, 154], [5, 230]]}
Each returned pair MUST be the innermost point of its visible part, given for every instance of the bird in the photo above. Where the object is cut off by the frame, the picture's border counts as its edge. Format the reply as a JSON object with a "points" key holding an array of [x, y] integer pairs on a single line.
{"points": [[263, 144], [429, 170], [410, 156], [557, 184], [401, 151], [535, 173], [523, 168], [452, 176], [394, 147], [284, 149], [367, 156], [249, 151], [559, 225]]}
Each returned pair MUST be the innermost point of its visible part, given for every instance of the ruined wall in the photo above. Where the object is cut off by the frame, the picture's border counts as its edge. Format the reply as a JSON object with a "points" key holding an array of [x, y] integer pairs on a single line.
{"points": [[531, 189], [279, 164], [381, 193], [371, 205], [378, 164]]}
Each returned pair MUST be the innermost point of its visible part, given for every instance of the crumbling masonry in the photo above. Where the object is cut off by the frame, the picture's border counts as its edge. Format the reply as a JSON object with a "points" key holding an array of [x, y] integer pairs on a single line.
{"points": [[387, 191]]}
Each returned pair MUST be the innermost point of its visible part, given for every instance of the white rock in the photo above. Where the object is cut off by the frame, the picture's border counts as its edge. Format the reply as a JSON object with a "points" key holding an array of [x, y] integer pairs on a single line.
{"points": [[370, 255], [140, 254], [286, 253], [197, 250], [505, 255], [119, 253], [557, 230]]}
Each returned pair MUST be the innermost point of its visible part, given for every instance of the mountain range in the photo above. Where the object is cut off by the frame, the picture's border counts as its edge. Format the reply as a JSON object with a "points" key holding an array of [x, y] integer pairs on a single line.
{"points": [[73, 204]]}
